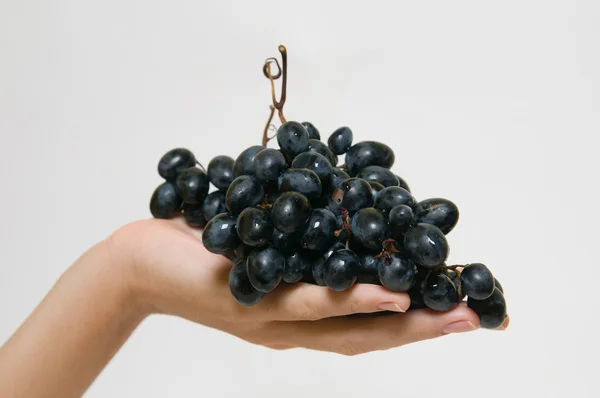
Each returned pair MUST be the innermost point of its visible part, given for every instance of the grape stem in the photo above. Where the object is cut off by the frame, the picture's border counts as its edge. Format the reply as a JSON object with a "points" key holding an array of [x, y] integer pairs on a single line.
{"points": [[387, 249], [282, 72], [265, 137], [202, 167]]}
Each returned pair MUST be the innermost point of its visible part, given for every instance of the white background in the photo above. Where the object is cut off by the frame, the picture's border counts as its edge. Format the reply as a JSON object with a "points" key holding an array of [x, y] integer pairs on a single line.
{"points": [[494, 105]]}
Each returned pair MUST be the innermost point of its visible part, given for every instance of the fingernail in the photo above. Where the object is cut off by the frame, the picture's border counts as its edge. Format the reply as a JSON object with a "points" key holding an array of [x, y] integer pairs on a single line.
{"points": [[390, 307], [459, 327]]}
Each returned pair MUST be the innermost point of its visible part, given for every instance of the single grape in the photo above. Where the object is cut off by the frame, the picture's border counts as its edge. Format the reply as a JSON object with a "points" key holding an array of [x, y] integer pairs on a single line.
{"points": [[194, 215], [338, 176], [340, 140], [317, 163], [498, 285], [368, 268], [379, 174], [401, 218], [303, 181], [439, 293], [318, 265], [193, 185], [290, 212], [319, 231], [286, 243], [426, 245], [402, 183], [265, 268], [357, 194], [390, 197], [439, 212], [244, 191], [368, 153], [254, 227], [491, 311], [214, 204], [296, 266], [292, 138], [341, 270], [375, 188], [220, 171], [369, 228], [477, 281], [243, 163], [174, 162], [241, 288], [312, 131], [220, 235], [319, 147], [165, 201], [397, 273], [268, 164]]}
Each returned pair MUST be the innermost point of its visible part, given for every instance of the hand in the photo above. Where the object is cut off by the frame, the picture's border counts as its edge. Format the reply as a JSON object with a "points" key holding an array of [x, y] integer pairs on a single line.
{"points": [[174, 274]]}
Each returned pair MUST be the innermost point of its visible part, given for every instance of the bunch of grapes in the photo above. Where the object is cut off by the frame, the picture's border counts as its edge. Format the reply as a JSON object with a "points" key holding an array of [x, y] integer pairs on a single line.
{"points": [[293, 215]]}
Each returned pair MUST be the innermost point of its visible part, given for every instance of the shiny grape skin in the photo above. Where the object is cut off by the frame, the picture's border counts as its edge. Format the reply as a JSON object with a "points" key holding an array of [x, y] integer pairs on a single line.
{"points": [[303, 181], [368, 153], [244, 191], [317, 163], [220, 235], [313, 132], [375, 188], [193, 185], [338, 176], [340, 140], [491, 311], [243, 163], [292, 138], [439, 293], [402, 183], [296, 266], [254, 227], [318, 266], [357, 195], [369, 228], [440, 212], [214, 204], [401, 217], [498, 285], [165, 201], [286, 243], [174, 162], [220, 171], [341, 270], [320, 229], [241, 289], [319, 147], [477, 281], [265, 268], [397, 273], [290, 212], [368, 268], [194, 215], [268, 164], [390, 197], [426, 245], [379, 174]]}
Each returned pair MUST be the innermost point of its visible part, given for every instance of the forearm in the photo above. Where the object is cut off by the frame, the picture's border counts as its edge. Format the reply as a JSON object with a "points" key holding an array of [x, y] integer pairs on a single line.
{"points": [[69, 338]]}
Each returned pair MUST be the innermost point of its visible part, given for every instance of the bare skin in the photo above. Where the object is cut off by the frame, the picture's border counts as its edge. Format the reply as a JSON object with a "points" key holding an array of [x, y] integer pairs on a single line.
{"points": [[161, 267]]}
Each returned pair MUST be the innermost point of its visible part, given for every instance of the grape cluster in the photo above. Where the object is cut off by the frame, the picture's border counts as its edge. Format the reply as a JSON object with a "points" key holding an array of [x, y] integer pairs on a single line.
{"points": [[291, 214]]}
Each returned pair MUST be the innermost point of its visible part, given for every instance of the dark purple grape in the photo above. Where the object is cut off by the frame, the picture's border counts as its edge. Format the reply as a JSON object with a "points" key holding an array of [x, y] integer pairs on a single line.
{"points": [[439, 293], [368, 153], [397, 273], [165, 201], [426, 245], [369, 228], [338, 176], [498, 285], [401, 217], [340, 140], [254, 227], [303, 181], [402, 183], [268, 165], [243, 163], [286, 243], [174, 162], [375, 188], [341, 270], [244, 191], [320, 229], [357, 194], [390, 197], [241, 288], [491, 311], [290, 212], [292, 138], [439, 212], [265, 268], [214, 204], [379, 174], [318, 265], [477, 281], [220, 235], [319, 147], [193, 185], [368, 268], [220, 171], [317, 163], [194, 215], [296, 266], [312, 131]]}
